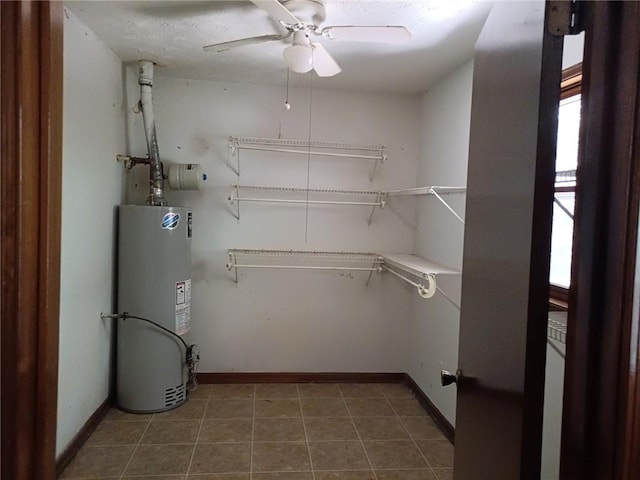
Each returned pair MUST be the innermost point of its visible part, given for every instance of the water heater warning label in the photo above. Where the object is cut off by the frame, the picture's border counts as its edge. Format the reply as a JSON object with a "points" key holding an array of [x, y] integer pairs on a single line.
{"points": [[183, 306]]}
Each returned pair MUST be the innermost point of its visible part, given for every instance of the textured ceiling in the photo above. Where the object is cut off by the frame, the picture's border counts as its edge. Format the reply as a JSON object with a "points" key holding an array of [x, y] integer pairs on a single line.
{"points": [[172, 34]]}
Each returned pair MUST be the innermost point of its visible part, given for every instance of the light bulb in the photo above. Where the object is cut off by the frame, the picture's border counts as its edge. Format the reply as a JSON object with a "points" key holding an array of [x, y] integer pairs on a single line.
{"points": [[299, 58]]}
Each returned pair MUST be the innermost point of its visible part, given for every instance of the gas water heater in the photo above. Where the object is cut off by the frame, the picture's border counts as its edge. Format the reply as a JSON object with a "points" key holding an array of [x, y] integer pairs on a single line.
{"points": [[155, 364], [154, 282]]}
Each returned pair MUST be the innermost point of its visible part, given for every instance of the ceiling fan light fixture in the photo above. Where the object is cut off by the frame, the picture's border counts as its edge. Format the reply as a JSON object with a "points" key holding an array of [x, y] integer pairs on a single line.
{"points": [[299, 58]]}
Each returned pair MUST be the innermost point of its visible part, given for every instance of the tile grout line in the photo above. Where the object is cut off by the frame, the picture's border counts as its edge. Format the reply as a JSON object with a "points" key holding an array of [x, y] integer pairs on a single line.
{"points": [[364, 449], [195, 443], [412, 439], [269, 472], [253, 428], [121, 476], [306, 437]]}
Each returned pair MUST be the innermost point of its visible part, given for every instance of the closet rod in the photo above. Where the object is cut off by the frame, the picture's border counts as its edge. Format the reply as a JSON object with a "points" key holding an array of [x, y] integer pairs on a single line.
{"points": [[424, 292]]}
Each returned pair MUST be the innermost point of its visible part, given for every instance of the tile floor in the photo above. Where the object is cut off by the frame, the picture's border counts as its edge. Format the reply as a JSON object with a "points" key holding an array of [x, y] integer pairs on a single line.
{"points": [[272, 432]]}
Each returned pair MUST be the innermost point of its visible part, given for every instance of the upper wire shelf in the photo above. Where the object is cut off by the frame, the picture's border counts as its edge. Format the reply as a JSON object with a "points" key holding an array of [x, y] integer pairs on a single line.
{"points": [[377, 153]]}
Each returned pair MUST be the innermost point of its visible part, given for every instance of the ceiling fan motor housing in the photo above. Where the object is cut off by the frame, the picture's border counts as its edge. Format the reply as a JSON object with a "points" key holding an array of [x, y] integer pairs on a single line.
{"points": [[308, 11]]}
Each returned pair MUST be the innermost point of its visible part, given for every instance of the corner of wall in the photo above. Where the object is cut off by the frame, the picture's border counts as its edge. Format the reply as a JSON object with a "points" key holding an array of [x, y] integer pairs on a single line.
{"points": [[446, 115]]}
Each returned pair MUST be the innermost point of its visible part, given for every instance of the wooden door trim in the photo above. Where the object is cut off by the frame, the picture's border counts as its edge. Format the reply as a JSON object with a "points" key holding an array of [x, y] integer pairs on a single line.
{"points": [[31, 115], [600, 423]]}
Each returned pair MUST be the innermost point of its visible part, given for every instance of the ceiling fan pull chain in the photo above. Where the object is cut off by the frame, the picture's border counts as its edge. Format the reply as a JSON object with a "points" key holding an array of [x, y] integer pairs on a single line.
{"points": [[287, 106]]}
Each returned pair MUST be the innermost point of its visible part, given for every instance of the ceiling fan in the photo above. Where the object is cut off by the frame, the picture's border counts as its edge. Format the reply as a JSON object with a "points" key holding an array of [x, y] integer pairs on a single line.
{"points": [[300, 19]]}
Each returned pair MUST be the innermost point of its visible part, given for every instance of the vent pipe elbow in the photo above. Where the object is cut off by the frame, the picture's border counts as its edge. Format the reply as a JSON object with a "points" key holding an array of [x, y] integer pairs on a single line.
{"points": [[156, 177]]}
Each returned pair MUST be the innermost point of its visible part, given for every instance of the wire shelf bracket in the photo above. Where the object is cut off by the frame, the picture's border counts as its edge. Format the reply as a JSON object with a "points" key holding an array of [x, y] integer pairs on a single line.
{"points": [[563, 208], [377, 153], [436, 191], [378, 198]]}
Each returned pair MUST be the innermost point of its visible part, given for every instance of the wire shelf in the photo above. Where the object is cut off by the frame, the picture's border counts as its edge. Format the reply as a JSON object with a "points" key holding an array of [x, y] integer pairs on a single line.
{"points": [[319, 197], [368, 256], [309, 190], [557, 328], [303, 260], [243, 142], [565, 176], [377, 153]]}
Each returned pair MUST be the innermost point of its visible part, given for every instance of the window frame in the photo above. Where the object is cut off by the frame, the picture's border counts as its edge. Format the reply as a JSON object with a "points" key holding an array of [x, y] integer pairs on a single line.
{"points": [[570, 86]]}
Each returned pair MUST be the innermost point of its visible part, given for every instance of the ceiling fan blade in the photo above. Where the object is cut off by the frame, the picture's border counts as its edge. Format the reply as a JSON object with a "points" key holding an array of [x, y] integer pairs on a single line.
{"points": [[221, 47], [323, 62], [385, 34], [277, 11]]}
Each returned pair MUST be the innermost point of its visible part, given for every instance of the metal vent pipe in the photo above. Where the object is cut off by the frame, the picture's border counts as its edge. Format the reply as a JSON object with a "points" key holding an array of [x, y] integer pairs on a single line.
{"points": [[156, 178]]}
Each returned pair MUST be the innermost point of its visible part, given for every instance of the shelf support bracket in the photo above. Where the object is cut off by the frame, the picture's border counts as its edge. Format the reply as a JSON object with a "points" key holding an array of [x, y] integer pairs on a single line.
{"points": [[376, 267], [562, 207], [448, 298], [381, 159], [232, 266], [234, 148], [443, 201], [381, 202], [234, 199]]}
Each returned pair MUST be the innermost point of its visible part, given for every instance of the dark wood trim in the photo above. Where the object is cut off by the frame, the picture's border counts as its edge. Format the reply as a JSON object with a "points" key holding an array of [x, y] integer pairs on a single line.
{"points": [[31, 169], [556, 305], [571, 83], [600, 393], [82, 436], [565, 188], [560, 293], [443, 424], [539, 263], [299, 377]]}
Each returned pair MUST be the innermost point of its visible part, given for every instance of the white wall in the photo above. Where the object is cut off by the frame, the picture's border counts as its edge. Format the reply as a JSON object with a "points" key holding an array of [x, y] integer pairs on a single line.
{"points": [[446, 111], [282, 320], [93, 133]]}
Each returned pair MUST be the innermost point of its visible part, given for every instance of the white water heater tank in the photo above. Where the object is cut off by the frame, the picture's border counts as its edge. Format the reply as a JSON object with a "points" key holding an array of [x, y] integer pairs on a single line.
{"points": [[154, 282], [186, 176]]}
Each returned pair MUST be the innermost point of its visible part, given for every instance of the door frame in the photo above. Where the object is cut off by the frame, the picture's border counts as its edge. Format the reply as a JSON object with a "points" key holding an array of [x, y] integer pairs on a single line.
{"points": [[601, 414], [30, 201]]}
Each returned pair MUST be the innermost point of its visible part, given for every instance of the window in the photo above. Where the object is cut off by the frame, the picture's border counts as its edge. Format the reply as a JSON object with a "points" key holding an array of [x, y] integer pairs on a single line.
{"points": [[565, 185]]}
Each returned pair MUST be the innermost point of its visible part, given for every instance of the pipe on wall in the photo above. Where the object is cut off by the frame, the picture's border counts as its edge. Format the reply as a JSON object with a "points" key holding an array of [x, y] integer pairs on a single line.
{"points": [[156, 180]]}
